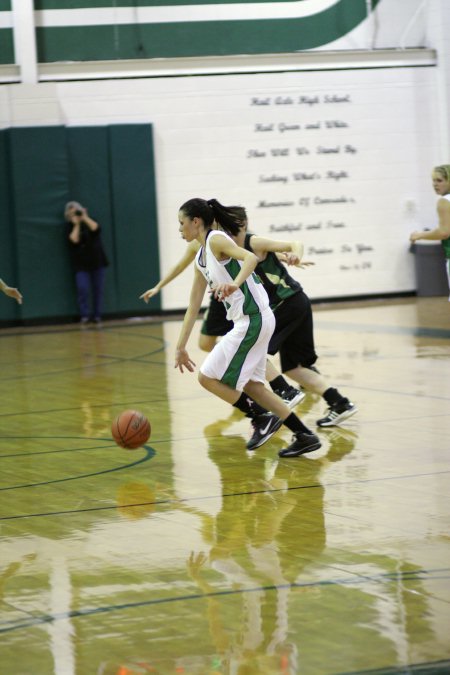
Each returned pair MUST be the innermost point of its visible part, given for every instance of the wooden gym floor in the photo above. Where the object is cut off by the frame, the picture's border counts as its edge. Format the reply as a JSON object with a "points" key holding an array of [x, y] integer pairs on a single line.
{"points": [[192, 556]]}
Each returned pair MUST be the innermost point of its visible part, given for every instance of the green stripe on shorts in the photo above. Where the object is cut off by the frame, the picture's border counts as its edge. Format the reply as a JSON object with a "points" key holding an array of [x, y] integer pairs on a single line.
{"points": [[232, 373]]}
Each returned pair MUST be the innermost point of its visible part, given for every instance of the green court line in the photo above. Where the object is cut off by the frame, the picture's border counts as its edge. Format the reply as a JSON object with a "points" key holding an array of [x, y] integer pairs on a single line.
{"points": [[419, 574], [187, 500], [149, 453]]}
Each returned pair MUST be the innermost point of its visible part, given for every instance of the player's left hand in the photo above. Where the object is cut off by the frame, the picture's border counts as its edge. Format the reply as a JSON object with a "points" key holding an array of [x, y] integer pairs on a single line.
{"points": [[222, 291], [182, 360], [290, 258]]}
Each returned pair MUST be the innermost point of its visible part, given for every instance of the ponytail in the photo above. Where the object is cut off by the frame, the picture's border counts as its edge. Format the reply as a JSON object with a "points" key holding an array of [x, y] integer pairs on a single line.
{"points": [[230, 218]]}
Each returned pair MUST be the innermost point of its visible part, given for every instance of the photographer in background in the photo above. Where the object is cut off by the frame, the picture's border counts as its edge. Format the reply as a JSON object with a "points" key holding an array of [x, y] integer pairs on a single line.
{"points": [[88, 258]]}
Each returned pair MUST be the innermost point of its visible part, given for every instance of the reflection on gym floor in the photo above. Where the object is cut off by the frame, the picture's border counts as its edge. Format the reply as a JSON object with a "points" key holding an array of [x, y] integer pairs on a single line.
{"points": [[192, 555]]}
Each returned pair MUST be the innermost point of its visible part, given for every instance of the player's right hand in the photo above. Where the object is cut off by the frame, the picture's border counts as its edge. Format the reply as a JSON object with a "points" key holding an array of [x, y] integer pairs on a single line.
{"points": [[182, 360], [13, 293], [149, 294]]}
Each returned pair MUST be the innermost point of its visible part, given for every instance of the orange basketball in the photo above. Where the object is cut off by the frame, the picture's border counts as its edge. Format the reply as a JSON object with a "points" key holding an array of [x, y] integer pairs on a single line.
{"points": [[131, 429]]}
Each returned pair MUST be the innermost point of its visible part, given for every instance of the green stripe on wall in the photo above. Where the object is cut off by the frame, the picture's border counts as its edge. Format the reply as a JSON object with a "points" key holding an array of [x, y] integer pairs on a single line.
{"points": [[95, 4], [5, 5], [6, 46], [206, 38]]}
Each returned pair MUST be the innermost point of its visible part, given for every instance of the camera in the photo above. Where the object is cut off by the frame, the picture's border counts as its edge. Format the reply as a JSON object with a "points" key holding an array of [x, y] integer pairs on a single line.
{"points": [[78, 212]]}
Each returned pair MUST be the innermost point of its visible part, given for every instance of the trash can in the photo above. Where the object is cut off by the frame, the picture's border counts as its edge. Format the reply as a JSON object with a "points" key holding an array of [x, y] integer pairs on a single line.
{"points": [[431, 275]]}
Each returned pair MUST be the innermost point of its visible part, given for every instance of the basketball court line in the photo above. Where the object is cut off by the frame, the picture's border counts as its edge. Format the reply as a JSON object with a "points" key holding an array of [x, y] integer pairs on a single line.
{"points": [[221, 496], [149, 454], [392, 577]]}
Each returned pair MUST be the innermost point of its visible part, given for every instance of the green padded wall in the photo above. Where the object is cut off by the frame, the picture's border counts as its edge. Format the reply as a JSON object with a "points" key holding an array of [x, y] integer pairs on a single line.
{"points": [[134, 206], [39, 173], [108, 169], [6, 34], [89, 184], [9, 309]]}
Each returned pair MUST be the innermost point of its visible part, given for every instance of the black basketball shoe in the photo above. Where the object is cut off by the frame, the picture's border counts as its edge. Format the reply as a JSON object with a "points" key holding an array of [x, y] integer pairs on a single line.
{"points": [[264, 427], [291, 396], [337, 413]]}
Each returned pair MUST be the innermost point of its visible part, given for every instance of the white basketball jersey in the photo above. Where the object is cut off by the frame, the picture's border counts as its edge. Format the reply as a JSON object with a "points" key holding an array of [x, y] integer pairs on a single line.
{"points": [[250, 298]]}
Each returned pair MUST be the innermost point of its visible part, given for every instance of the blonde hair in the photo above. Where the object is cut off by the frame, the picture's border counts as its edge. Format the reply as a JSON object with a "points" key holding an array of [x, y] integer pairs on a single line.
{"points": [[444, 170]]}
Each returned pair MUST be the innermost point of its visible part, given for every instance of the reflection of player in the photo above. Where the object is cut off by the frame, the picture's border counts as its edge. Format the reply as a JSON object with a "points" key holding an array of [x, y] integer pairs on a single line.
{"points": [[254, 555]]}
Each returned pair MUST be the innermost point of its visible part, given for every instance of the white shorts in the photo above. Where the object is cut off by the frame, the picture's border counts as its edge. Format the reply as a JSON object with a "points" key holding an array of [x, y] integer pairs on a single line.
{"points": [[241, 354]]}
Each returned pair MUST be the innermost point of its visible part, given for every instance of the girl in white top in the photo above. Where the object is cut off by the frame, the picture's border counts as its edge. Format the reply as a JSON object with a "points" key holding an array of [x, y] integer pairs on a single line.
{"points": [[242, 357], [215, 323], [441, 184], [237, 363]]}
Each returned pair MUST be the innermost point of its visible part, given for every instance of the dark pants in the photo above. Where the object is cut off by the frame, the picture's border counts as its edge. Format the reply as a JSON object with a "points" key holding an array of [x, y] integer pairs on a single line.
{"points": [[90, 284], [293, 337]]}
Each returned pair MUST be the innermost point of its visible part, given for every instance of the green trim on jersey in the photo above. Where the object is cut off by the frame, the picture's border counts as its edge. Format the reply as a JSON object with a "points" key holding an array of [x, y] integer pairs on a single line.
{"points": [[275, 278], [282, 285], [232, 373], [446, 246], [250, 306]]}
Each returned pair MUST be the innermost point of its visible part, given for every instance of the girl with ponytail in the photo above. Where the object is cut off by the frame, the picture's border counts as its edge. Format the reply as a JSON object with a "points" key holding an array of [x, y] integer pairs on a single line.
{"points": [[235, 369]]}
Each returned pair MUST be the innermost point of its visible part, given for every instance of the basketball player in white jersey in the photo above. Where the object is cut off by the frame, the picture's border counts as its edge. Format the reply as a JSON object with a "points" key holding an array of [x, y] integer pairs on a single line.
{"points": [[215, 324], [236, 366]]}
